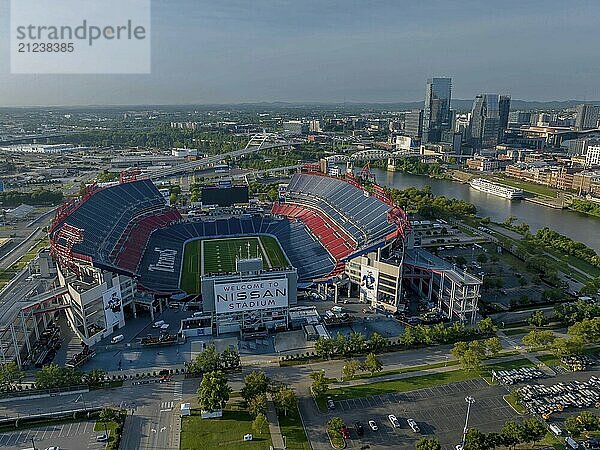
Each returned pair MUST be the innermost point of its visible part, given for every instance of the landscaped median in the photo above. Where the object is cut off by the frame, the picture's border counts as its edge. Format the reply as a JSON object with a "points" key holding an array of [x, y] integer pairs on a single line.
{"points": [[513, 400]]}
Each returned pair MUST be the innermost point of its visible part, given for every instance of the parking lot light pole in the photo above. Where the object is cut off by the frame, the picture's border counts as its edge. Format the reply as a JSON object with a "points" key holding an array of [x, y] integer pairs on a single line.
{"points": [[470, 400]]}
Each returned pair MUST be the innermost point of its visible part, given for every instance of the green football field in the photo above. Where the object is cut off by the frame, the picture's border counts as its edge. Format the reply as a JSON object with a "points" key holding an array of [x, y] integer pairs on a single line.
{"points": [[219, 255]]}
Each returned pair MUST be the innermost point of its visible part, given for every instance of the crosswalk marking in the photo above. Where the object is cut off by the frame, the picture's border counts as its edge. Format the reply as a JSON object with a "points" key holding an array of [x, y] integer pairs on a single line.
{"points": [[167, 406]]}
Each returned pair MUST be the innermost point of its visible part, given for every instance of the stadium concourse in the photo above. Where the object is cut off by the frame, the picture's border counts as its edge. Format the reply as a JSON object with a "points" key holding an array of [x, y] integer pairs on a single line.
{"points": [[121, 247]]}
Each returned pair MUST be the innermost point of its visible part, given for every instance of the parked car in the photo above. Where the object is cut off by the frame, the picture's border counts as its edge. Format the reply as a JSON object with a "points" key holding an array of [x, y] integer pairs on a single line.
{"points": [[373, 425], [360, 430], [118, 338], [102, 437], [413, 425], [158, 324], [330, 404], [346, 433], [394, 421]]}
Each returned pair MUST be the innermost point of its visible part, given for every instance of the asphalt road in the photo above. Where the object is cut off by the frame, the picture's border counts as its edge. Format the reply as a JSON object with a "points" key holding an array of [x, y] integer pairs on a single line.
{"points": [[154, 424]]}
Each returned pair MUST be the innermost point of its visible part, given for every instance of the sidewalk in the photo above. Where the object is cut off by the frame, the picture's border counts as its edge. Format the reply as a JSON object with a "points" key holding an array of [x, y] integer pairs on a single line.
{"points": [[274, 429]]}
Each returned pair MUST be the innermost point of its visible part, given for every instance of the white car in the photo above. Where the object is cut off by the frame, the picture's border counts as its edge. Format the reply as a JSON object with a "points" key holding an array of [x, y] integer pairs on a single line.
{"points": [[413, 425], [373, 425], [53, 448], [394, 421]]}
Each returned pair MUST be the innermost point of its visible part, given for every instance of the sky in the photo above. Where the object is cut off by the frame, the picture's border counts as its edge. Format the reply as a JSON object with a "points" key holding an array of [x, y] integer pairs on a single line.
{"points": [[333, 51]]}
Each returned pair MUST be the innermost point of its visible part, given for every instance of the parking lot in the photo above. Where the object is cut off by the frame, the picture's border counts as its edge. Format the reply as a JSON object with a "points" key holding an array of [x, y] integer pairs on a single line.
{"points": [[439, 411], [75, 436]]}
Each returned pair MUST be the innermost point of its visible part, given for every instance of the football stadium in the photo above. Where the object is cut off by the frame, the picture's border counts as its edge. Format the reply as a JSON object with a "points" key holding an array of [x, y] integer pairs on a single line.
{"points": [[121, 248]]}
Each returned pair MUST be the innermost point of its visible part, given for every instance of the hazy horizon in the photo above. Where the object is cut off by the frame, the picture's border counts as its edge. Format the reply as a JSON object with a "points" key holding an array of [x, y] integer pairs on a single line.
{"points": [[335, 52]]}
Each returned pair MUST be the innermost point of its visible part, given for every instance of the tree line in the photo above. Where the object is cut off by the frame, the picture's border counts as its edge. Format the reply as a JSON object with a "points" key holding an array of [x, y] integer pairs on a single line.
{"points": [[423, 202], [413, 336], [42, 197]]}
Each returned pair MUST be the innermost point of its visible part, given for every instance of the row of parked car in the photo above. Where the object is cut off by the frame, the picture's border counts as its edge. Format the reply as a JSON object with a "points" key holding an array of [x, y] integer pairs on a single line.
{"points": [[520, 375], [545, 400], [577, 363]]}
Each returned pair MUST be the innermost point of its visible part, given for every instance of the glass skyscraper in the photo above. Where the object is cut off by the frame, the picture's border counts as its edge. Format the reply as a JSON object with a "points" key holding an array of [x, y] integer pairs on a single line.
{"points": [[436, 114], [485, 121]]}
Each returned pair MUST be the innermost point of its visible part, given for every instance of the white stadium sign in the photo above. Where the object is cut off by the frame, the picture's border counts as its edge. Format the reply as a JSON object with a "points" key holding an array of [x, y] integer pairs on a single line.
{"points": [[251, 295]]}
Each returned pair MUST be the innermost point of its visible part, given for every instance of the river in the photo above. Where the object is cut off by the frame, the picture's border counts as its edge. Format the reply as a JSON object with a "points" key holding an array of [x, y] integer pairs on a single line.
{"points": [[578, 227]]}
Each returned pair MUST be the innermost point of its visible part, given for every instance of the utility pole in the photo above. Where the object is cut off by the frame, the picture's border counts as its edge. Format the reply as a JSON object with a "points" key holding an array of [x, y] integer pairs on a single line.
{"points": [[470, 400]]}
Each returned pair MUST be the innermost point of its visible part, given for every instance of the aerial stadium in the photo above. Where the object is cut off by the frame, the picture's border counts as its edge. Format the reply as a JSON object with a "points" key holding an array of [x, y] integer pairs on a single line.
{"points": [[121, 247]]}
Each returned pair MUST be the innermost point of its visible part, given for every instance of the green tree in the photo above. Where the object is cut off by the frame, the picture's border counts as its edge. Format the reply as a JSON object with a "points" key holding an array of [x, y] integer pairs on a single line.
{"points": [[108, 414], [459, 349], [486, 326], [511, 433], [589, 421], [257, 405], [533, 430], [285, 399], [493, 346], [588, 330], [428, 444], [53, 375], [573, 426], [482, 258], [475, 440], [350, 368], [10, 375], [340, 344], [372, 364], [355, 344], [562, 347], [213, 393], [377, 342], [320, 383], [538, 318], [94, 377], [335, 425], [208, 360], [260, 424], [255, 383], [230, 358], [325, 347], [539, 338], [409, 337]]}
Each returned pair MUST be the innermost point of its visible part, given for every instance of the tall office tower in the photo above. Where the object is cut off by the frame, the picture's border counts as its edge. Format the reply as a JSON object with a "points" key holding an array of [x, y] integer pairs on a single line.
{"points": [[413, 124], [587, 117], [485, 119], [504, 107], [436, 114]]}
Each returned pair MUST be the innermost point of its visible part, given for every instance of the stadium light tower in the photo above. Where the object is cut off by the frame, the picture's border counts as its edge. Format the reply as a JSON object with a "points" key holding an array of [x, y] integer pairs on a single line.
{"points": [[470, 400]]}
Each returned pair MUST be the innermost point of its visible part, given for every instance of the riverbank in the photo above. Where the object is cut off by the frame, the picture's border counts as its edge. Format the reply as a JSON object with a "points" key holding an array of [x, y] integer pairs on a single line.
{"points": [[577, 226]]}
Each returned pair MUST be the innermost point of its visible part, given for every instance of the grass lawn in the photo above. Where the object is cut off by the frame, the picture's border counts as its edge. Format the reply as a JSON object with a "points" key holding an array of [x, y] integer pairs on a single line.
{"points": [[550, 360], [515, 331], [111, 428], [407, 369], [219, 255], [403, 385], [512, 400], [225, 433], [550, 440], [293, 430]]}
